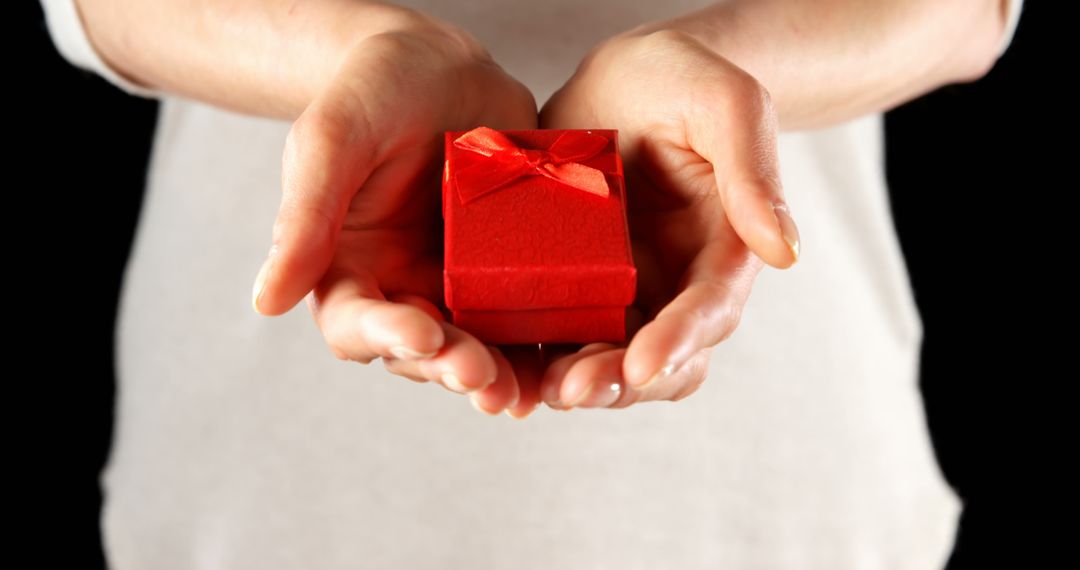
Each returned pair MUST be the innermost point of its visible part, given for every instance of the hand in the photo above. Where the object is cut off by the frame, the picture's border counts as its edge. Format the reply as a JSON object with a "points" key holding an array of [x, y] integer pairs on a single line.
{"points": [[359, 225], [704, 204]]}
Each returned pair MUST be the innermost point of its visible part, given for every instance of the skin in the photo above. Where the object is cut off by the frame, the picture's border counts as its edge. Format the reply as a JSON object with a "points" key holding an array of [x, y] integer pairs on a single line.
{"points": [[700, 155], [698, 101]]}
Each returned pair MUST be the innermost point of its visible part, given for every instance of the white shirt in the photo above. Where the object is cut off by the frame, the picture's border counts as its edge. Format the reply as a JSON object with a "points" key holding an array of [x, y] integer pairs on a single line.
{"points": [[241, 443]]}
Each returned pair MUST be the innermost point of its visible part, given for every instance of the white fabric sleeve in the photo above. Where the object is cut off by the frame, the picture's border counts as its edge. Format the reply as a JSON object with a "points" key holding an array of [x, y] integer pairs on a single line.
{"points": [[68, 34], [1012, 17]]}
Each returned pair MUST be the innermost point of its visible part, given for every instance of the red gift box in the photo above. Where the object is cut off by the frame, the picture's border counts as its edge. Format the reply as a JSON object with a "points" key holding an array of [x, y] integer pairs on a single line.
{"points": [[536, 242]]}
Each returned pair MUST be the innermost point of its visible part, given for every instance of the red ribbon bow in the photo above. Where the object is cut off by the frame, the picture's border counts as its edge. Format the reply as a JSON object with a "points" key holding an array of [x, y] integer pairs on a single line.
{"points": [[560, 162]]}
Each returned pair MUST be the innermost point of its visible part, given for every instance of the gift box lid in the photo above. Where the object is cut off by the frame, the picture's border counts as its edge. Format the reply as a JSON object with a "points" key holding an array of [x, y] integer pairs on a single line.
{"points": [[536, 242]]}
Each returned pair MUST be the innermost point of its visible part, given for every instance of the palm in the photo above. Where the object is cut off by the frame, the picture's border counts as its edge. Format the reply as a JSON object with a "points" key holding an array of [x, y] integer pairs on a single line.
{"points": [[391, 237], [391, 232]]}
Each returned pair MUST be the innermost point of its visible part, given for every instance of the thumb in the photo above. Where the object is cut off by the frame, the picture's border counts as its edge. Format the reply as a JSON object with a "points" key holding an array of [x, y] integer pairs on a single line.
{"points": [[324, 162], [735, 129]]}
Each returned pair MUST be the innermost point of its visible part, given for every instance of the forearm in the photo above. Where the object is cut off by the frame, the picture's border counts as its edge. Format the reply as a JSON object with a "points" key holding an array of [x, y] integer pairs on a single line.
{"points": [[830, 60], [261, 57]]}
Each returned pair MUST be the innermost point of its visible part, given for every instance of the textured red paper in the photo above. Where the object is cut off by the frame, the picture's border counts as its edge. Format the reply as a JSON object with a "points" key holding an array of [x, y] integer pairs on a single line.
{"points": [[579, 324], [519, 258]]}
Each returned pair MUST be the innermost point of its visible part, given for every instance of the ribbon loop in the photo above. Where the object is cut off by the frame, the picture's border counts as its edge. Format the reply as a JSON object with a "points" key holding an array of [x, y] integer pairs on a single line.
{"points": [[561, 162]]}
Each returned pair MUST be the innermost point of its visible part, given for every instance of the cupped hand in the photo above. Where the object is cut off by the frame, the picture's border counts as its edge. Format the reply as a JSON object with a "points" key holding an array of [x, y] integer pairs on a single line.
{"points": [[704, 203], [359, 225]]}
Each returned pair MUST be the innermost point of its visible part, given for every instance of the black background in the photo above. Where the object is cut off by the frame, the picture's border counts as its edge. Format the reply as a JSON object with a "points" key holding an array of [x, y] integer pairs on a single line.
{"points": [[969, 178]]}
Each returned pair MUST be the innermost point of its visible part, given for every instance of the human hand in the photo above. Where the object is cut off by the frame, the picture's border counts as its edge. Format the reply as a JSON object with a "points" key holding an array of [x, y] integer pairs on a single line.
{"points": [[359, 226], [705, 208]]}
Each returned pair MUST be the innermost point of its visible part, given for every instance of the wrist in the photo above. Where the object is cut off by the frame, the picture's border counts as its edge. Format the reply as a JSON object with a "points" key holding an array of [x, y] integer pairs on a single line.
{"points": [[314, 46], [259, 57], [404, 34]]}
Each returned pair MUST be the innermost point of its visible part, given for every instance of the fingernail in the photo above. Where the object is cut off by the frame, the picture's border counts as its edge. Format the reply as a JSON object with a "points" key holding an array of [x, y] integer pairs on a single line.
{"points": [[787, 227], [406, 353], [260, 279], [549, 392], [558, 406], [598, 395], [453, 383], [510, 413], [664, 372], [476, 405]]}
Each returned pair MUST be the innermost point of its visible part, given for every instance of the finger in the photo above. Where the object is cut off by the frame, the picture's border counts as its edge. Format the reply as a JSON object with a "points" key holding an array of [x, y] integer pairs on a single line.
{"points": [[359, 324], [420, 302], [529, 366], [703, 314], [462, 365], [594, 381], [551, 383], [500, 394], [462, 356], [731, 123], [683, 382], [409, 369]]}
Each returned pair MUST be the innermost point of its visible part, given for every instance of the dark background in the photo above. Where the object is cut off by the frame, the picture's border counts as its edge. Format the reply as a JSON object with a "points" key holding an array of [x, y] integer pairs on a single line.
{"points": [[961, 163]]}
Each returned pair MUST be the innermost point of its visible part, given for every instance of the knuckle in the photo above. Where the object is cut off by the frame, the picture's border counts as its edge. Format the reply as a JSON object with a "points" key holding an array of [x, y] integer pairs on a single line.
{"points": [[709, 308], [317, 128], [686, 391], [730, 321], [748, 101], [694, 373], [693, 381], [750, 93], [426, 41], [525, 100], [416, 29], [466, 44], [665, 38], [396, 43], [761, 96], [400, 17]]}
